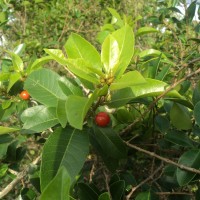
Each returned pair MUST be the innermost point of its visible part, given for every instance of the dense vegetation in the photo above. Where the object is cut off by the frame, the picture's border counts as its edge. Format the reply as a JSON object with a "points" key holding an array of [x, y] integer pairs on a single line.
{"points": [[99, 100]]}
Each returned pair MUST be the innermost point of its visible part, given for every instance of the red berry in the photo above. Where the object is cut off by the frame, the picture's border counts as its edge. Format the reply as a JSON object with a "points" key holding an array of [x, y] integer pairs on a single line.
{"points": [[24, 95], [102, 119]]}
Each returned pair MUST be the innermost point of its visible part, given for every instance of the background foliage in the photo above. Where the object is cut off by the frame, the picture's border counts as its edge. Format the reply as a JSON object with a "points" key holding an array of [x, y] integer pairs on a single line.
{"points": [[148, 82]]}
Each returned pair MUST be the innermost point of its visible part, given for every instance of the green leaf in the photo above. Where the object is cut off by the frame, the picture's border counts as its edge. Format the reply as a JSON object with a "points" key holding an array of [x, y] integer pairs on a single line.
{"points": [[180, 117], [108, 139], [151, 52], [61, 112], [190, 158], [59, 187], [76, 108], [68, 87], [43, 86], [110, 162], [65, 147], [116, 19], [13, 79], [190, 12], [104, 196], [4, 130], [197, 113], [19, 49], [85, 192], [81, 69], [3, 169], [131, 78], [39, 63], [17, 62], [6, 104], [151, 88], [145, 30], [179, 138], [196, 94], [110, 55], [4, 76], [77, 47], [39, 118], [117, 189], [57, 55], [145, 196], [125, 40]]}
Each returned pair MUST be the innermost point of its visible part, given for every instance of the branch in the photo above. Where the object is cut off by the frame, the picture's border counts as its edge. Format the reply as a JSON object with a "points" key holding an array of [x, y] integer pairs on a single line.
{"points": [[174, 193], [152, 154], [143, 182], [19, 177], [171, 87]]}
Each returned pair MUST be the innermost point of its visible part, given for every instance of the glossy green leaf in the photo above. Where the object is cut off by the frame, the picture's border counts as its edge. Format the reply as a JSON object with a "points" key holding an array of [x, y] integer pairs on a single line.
{"points": [[117, 189], [61, 112], [110, 54], [104, 196], [59, 187], [65, 147], [179, 138], [151, 88], [180, 117], [151, 52], [13, 79], [57, 55], [43, 86], [85, 192], [4, 129], [77, 47], [18, 64], [81, 68], [145, 30], [190, 158], [39, 63], [39, 118], [197, 113], [125, 39], [131, 78], [108, 139]]}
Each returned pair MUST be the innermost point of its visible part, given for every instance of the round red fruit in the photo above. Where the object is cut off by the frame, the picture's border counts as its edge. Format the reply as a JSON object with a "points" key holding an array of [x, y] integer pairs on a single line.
{"points": [[24, 95], [102, 119]]}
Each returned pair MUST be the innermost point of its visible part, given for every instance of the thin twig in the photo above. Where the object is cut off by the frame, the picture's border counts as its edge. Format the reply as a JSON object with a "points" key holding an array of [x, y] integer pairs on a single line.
{"points": [[152, 154], [174, 193], [18, 178], [107, 183], [143, 182]]}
